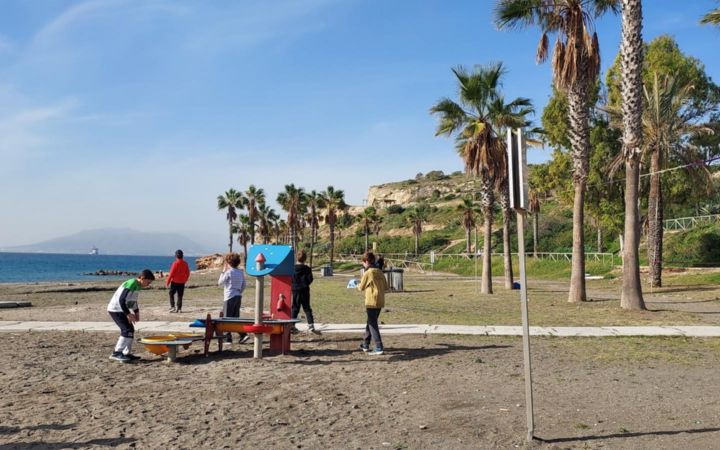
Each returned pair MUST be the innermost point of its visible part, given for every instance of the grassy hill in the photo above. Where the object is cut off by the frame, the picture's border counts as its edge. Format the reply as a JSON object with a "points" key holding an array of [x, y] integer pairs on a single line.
{"points": [[444, 233]]}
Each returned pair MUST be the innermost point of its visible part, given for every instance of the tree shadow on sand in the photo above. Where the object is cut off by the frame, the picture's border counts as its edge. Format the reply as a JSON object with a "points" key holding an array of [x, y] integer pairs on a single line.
{"points": [[49, 426], [390, 354], [627, 435], [45, 445]]}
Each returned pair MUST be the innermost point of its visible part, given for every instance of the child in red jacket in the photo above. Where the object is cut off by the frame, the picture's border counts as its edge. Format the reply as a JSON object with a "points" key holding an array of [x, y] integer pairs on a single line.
{"points": [[176, 279]]}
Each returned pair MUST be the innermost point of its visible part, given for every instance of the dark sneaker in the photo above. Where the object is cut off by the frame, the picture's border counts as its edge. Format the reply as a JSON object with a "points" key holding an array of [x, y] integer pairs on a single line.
{"points": [[314, 331], [178, 311], [294, 330], [120, 357], [172, 310], [376, 352], [228, 338], [364, 348], [132, 357], [244, 338]]}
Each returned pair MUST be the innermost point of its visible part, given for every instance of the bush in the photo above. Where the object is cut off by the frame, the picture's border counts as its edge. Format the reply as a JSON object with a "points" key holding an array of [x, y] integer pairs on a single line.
{"points": [[395, 209]]}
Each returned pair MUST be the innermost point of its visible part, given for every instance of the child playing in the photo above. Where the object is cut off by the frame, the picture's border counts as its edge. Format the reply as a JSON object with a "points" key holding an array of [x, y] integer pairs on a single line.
{"points": [[374, 285], [301, 281], [233, 282], [178, 276], [125, 311]]}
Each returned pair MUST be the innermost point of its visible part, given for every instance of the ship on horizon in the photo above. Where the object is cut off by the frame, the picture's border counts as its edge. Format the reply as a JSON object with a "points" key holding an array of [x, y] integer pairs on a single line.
{"points": [[94, 251]]}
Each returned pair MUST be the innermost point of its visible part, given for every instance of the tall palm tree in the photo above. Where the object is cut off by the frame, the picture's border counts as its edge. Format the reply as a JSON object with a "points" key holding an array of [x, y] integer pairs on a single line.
{"points": [[468, 209], [377, 226], [314, 204], [631, 65], [266, 217], [334, 201], [712, 17], [243, 229], [575, 64], [475, 122], [367, 219], [534, 209], [666, 130], [291, 200], [232, 200], [415, 219], [253, 197]]}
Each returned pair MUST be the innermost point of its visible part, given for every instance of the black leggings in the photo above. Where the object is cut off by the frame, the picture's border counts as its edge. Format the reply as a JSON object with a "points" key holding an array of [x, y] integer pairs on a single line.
{"points": [[180, 289], [302, 298]]}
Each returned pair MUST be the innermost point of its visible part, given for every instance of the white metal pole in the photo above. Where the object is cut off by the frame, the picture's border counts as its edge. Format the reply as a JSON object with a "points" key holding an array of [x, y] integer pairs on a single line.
{"points": [[525, 325], [259, 294]]}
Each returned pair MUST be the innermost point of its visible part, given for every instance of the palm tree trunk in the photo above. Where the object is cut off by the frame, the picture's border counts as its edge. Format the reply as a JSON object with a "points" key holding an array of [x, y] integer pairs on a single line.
{"points": [[313, 236], [507, 217], [231, 236], [467, 240], [579, 138], [486, 283], [535, 234], [577, 276], [631, 63], [332, 243], [367, 241], [599, 238], [417, 243], [655, 220], [252, 231]]}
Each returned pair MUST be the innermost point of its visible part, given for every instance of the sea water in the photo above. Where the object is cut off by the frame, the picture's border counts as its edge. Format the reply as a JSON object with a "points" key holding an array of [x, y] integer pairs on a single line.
{"points": [[42, 267]]}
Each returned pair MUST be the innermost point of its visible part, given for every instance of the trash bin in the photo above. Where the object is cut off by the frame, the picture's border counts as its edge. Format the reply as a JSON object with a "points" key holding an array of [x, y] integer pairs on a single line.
{"points": [[394, 278], [326, 271]]}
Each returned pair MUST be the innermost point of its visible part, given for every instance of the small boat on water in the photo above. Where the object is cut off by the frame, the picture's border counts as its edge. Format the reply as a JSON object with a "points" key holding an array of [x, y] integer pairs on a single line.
{"points": [[94, 251]]}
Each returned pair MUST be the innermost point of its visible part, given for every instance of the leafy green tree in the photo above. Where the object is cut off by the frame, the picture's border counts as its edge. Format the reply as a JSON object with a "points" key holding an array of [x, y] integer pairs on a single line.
{"points": [[231, 201], [575, 65]]}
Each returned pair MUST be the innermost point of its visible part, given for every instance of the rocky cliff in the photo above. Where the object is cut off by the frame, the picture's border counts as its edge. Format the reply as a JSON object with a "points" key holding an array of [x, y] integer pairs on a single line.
{"points": [[433, 185]]}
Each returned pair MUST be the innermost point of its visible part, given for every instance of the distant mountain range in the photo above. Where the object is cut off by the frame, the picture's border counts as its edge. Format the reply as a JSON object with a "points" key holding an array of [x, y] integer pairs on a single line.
{"points": [[116, 241]]}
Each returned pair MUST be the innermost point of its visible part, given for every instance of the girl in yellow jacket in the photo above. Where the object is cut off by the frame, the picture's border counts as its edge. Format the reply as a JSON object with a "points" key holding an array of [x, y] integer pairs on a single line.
{"points": [[374, 285]]}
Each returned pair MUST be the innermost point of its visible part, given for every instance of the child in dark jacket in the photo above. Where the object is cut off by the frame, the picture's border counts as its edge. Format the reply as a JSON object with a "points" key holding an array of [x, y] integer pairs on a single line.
{"points": [[301, 281]]}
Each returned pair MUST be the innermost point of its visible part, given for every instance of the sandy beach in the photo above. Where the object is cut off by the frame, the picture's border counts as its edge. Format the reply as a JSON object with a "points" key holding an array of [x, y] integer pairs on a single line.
{"points": [[60, 390]]}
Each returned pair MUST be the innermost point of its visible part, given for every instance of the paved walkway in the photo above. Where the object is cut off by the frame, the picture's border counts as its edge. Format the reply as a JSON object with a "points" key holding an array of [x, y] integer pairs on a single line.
{"points": [[159, 326]]}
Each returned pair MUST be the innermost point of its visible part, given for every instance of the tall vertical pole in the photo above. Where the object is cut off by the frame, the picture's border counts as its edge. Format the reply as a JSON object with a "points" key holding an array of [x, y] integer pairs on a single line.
{"points": [[525, 325], [259, 294]]}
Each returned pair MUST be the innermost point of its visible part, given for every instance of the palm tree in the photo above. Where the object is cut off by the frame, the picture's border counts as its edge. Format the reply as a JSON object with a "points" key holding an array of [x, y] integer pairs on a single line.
{"points": [[377, 226], [534, 209], [243, 229], [253, 198], [468, 209], [367, 219], [631, 64], [334, 201], [232, 200], [666, 130], [575, 64], [292, 202], [266, 217], [314, 204], [713, 17], [415, 218], [475, 122]]}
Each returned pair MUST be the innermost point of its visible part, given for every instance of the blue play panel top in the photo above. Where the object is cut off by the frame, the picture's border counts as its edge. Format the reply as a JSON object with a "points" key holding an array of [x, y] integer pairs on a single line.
{"points": [[279, 260]]}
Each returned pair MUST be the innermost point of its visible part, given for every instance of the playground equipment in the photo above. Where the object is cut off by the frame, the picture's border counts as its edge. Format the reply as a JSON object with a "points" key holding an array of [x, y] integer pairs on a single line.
{"points": [[160, 345], [277, 261]]}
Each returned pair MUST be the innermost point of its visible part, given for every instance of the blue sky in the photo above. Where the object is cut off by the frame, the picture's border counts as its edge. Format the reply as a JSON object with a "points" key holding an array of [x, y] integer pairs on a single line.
{"points": [[126, 113]]}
